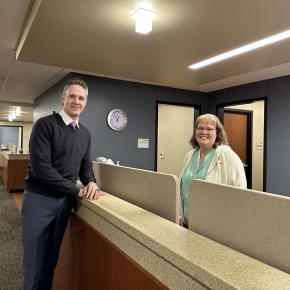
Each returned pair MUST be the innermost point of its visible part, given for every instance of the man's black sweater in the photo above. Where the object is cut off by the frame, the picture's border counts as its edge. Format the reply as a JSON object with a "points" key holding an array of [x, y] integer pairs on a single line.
{"points": [[58, 155]]}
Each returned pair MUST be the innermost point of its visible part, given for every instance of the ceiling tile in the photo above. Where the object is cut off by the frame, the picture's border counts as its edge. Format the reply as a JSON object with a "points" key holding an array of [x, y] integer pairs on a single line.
{"points": [[32, 74], [6, 55], [18, 91], [3, 78], [13, 12], [46, 70], [6, 59], [19, 86], [8, 37], [23, 95]]}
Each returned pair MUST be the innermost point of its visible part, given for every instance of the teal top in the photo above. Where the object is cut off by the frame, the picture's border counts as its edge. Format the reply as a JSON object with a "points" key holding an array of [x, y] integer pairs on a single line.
{"points": [[194, 170]]}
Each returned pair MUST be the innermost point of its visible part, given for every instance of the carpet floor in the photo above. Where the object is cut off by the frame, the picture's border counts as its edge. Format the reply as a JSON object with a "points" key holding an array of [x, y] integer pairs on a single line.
{"points": [[11, 250]]}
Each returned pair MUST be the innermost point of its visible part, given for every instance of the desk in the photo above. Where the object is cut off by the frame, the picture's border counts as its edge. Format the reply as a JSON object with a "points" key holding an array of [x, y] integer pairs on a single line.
{"points": [[111, 244], [13, 168]]}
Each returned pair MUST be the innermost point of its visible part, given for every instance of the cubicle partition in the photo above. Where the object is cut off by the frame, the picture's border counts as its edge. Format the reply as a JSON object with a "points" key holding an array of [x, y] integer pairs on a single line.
{"points": [[153, 191], [252, 222]]}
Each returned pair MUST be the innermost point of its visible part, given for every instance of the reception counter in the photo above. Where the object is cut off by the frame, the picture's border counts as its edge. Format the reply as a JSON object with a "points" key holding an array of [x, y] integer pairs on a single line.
{"points": [[129, 238], [112, 244], [13, 169]]}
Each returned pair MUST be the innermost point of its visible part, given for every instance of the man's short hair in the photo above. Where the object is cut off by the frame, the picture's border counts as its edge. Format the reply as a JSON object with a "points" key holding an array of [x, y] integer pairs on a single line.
{"points": [[76, 81]]}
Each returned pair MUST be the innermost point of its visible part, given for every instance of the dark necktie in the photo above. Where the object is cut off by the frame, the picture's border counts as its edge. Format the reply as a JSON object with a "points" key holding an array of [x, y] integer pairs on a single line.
{"points": [[73, 124]]}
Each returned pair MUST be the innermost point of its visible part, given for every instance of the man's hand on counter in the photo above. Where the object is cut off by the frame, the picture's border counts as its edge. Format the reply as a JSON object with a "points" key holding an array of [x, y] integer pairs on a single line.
{"points": [[91, 191]]}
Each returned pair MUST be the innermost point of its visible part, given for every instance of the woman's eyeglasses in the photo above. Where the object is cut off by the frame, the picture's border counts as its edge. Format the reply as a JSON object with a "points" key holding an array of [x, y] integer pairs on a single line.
{"points": [[201, 129]]}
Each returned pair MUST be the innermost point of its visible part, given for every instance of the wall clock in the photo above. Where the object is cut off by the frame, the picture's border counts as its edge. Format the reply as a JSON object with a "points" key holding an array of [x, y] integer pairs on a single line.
{"points": [[117, 120]]}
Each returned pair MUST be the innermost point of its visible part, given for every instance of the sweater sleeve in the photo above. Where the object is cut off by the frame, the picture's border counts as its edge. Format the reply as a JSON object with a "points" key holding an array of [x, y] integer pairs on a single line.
{"points": [[86, 173], [40, 160], [235, 169]]}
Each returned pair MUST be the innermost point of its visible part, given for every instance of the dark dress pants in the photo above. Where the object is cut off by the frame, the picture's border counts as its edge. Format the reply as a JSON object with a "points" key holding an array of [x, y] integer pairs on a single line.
{"points": [[44, 220]]}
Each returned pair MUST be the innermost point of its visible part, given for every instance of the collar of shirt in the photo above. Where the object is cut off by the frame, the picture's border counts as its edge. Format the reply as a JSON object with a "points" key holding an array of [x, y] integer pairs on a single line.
{"points": [[67, 119]]}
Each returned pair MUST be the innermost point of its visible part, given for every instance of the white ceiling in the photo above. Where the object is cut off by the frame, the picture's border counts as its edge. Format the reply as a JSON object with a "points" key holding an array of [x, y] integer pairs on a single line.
{"points": [[43, 40]]}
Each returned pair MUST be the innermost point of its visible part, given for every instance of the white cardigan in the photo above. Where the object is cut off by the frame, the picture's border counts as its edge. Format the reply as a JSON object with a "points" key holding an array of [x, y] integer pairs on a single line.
{"points": [[226, 168]]}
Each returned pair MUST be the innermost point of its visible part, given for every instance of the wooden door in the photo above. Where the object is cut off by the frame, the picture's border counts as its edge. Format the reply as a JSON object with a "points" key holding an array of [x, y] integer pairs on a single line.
{"points": [[237, 124]]}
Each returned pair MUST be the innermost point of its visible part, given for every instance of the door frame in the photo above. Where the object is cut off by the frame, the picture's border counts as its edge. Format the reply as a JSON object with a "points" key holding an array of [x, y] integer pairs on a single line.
{"points": [[220, 114], [21, 141], [249, 155]]}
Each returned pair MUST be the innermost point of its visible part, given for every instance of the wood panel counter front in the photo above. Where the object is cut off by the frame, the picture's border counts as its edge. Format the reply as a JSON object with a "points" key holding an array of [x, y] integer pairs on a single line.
{"points": [[13, 168], [111, 244]]}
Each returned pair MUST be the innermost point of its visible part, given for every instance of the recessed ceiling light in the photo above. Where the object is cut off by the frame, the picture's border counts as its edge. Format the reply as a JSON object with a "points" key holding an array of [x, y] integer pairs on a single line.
{"points": [[242, 49], [143, 18]]}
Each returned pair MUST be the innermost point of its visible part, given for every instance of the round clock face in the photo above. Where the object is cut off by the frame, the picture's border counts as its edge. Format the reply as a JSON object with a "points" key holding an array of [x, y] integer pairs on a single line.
{"points": [[117, 120]]}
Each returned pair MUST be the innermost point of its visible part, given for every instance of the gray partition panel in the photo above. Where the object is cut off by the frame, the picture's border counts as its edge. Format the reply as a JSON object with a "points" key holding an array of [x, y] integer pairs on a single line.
{"points": [[152, 191], [252, 222]]}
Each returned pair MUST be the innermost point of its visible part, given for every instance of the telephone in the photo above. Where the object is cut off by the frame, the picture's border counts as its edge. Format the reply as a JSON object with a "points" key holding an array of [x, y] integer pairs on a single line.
{"points": [[105, 160]]}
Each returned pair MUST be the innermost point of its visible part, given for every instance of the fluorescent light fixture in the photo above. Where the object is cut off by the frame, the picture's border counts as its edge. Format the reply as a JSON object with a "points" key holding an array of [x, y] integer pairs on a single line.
{"points": [[17, 112], [13, 115], [143, 18], [10, 118], [242, 49]]}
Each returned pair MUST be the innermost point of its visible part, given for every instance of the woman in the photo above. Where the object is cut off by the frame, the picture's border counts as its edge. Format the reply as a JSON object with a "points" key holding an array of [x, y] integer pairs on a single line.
{"points": [[211, 159]]}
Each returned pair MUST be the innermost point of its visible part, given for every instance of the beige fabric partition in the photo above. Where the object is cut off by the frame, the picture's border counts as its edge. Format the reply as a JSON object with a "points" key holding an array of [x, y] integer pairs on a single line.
{"points": [[252, 222], [153, 191]]}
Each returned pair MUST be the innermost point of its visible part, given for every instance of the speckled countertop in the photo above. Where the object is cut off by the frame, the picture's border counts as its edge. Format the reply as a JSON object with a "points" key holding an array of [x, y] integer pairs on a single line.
{"points": [[179, 258]]}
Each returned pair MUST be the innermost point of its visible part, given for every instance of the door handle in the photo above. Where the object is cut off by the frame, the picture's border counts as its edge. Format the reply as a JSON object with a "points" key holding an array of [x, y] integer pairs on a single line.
{"points": [[245, 165]]}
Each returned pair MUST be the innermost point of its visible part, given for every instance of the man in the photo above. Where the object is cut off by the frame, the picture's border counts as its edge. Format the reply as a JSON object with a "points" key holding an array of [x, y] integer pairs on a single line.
{"points": [[59, 153]]}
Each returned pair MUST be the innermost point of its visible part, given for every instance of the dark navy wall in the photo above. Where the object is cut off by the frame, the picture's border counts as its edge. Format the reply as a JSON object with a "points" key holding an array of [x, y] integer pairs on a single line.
{"points": [[278, 136], [139, 101], [176, 96], [242, 93], [276, 93], [236, 95]]}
